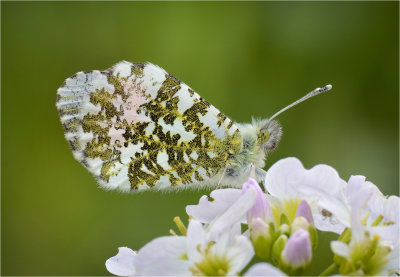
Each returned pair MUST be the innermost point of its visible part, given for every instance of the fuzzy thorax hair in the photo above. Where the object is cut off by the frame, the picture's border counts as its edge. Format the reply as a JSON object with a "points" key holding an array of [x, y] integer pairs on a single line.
{"points": [[258, 139]]}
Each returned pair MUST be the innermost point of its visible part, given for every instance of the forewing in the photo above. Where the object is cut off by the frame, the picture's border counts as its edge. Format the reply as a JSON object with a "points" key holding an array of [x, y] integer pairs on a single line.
{"points": [[135, 127]]}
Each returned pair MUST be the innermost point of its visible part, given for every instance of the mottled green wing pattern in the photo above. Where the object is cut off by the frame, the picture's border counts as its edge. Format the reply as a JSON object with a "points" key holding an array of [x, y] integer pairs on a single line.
{"points": [[136, 127]]}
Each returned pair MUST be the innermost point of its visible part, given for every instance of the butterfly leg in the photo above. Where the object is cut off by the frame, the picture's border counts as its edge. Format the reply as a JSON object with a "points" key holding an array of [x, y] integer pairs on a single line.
{"points": [[260, 174], [220, 179], [252, 171]]}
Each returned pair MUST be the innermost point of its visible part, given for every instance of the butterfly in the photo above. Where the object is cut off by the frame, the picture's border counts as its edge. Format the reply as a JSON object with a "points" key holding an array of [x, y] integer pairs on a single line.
{"points": [[136, 127]]}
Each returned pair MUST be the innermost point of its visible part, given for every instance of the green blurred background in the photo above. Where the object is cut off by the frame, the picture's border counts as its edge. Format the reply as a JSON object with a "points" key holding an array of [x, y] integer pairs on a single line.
{"points": [[247, 59]]}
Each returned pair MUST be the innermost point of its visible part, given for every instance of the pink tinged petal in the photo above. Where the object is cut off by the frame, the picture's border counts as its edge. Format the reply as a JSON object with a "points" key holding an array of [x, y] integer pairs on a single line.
{"points": [[206, 211], [261, 206], [159, 249], [283, 177], [196, 237], [304, 210], [341, 249], [123, 263], [324, 177], [264, 269], [297, 251], [233, 214]]}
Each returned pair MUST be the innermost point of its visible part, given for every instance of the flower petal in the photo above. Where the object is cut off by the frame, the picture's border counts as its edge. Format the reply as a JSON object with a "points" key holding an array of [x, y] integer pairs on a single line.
{"points": [[122, 264], [297, 251], [356, 193], [325, 177], [206, 211], [304, 210], [195, 236], [168, 267], [389, 207], [261, 206], [341, 249], [233, 214], [264, 269], [159, 249], [328, 224], [239, 254], [327, 202], [283, 176]]}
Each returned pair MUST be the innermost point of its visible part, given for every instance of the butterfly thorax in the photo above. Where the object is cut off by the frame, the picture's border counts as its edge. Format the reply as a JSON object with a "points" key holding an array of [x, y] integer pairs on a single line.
{"points": [[257, 140]]}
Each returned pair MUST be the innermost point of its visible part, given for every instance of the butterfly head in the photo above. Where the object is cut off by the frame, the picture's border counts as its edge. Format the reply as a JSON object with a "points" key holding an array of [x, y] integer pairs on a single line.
{"points": [[269, 135]]}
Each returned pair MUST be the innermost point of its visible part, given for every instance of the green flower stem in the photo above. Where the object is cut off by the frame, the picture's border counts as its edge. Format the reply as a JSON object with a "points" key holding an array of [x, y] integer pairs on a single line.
{"points": [[345, 236], [331, 269]]}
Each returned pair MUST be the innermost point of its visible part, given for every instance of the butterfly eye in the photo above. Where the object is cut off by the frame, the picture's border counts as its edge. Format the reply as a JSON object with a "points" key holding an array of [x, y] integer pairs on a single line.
{"points": [[263, 136]]}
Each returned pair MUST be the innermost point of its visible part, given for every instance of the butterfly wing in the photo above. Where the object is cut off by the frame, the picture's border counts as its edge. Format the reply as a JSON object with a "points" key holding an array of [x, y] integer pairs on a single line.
{"points": [[136, 127]]}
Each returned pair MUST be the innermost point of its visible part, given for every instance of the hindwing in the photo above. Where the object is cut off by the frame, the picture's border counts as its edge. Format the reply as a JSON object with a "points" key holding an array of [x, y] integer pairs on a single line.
{"points": [[136, 127]]}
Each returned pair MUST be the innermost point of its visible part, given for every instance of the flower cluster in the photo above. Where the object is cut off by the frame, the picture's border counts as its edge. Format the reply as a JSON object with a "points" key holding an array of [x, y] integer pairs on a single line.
{"points": [[231, 227]]}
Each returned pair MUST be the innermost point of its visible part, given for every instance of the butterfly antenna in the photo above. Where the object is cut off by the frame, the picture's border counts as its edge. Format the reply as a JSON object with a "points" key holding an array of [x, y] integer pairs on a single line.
{"points": [[305, 97]]}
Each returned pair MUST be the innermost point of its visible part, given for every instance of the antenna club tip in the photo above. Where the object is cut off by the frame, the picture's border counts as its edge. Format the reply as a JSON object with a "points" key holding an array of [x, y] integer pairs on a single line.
{"points": [[328, 87]]}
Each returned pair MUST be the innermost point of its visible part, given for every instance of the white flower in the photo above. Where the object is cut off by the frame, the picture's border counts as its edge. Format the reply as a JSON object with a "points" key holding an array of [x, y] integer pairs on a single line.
{"points": [[372, 248]]}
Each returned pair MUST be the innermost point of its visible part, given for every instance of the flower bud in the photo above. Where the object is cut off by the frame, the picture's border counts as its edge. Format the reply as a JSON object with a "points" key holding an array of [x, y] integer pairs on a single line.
{"points": [[278, 246], [261, 208], [304, 210], [261, 235], [299, 223], [284, 229], [297, 252]]}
